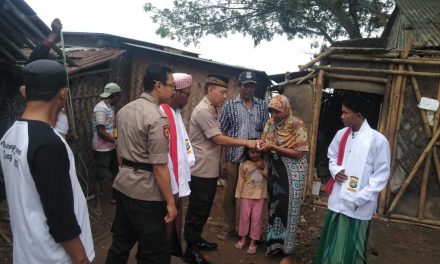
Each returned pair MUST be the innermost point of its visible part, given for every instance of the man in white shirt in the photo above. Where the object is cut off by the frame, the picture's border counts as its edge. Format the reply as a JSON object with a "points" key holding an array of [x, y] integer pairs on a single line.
{"points": [[360, 165], [181, 155], [103, 140], [48, 210]]}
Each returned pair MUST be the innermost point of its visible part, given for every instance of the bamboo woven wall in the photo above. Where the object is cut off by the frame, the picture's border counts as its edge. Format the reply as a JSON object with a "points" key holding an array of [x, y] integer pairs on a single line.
{"points": [[411, 141], [85, 95]]}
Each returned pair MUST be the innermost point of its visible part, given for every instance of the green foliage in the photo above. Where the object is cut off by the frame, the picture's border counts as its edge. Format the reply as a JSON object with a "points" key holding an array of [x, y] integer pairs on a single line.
{"points": [[332, 20]]}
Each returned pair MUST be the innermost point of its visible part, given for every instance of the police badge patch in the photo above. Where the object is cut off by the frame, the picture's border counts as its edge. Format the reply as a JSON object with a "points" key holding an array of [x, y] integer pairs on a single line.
{"points": [[166, 131]]}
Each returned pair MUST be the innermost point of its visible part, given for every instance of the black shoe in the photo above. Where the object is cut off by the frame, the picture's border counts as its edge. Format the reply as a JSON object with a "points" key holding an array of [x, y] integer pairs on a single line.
{"points": [[205, 245], [193, 256]]}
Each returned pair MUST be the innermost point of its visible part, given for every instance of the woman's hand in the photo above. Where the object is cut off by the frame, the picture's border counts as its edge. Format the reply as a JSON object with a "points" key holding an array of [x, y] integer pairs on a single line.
{"points": [[266, 147]]}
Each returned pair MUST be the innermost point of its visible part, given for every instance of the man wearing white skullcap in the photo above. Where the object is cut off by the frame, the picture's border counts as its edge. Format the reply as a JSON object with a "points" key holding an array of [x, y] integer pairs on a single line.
{"points": [[181, 156]]}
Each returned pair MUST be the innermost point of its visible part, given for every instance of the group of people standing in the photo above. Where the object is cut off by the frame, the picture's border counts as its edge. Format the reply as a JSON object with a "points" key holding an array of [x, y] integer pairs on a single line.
{"points": [[160, 162]]}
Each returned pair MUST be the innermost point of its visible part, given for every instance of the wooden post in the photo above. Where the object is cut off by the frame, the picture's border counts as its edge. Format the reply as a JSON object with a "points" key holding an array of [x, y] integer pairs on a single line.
{"points": [[418, 94], [384, 130], [434, 127], [414, 171], [314, 133], [424, 186]]}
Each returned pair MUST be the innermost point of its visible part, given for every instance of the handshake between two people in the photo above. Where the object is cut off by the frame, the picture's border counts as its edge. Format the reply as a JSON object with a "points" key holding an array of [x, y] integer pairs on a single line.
{"points": [[260, 146]]}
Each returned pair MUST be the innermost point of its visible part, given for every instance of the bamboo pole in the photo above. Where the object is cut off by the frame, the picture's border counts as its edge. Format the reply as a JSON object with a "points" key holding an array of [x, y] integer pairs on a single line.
{"points": [[294, 81], [315, 125], [357, 49], [436, 123], [308, 76], [424, 186], [415, 219], [412, 61], [396, 125], [315, 60], [396, 72], [356, 78], [320, 203], [5, 236], [414, 171], [382, 128], [424, 115], [418, 94]]}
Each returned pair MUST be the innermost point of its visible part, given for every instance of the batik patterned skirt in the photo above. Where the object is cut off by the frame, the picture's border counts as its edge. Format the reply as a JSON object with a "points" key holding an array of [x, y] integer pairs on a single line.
{"points": [[286, 187]]}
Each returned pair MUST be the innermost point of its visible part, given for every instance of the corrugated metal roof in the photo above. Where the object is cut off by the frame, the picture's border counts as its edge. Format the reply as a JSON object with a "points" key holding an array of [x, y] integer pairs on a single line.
{"points": [[85, 59], [20, 28], [422, 18], [189, 57]]}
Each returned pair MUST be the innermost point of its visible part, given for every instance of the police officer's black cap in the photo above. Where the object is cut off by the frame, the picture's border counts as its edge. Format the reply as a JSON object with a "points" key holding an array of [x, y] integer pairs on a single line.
{"points": [[44, 76], [357, 103], [247, 77]]}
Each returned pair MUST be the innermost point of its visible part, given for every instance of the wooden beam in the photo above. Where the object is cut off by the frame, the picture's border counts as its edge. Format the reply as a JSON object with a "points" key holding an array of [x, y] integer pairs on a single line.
{"points": [[415, 219], [412, 61], [356, 78], [315, 60], [296, 80], [396, 72], [319, 86]]}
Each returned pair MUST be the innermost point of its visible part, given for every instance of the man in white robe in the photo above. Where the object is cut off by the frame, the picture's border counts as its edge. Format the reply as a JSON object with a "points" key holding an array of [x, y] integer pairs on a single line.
{"points": [[360, 166], [181, 155]]}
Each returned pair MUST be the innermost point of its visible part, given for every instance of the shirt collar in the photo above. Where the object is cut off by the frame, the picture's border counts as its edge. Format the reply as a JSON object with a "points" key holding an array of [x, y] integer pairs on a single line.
{"points": [[150, 98]]}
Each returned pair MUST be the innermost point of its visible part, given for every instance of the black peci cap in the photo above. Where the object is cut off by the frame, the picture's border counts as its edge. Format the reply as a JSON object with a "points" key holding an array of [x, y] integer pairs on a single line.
{"points": [[44, 76], [357, 103]]}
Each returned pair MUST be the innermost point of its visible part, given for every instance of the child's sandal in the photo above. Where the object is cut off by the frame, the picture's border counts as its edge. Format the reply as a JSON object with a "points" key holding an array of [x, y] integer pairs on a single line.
{"points": [[239, 245], [252, 249]]}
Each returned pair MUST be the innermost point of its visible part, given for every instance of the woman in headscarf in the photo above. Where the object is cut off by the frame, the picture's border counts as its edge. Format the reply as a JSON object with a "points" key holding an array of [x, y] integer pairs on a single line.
{"points": [[285, 139]]}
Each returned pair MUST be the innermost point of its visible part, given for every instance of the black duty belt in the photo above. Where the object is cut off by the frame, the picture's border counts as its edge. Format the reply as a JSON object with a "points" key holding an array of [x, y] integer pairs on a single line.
{"points": [[137, 165]]}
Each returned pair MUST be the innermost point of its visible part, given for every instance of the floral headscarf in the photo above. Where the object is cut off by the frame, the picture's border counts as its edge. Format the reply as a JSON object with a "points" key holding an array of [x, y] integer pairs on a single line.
{"points": [[289, 133]]}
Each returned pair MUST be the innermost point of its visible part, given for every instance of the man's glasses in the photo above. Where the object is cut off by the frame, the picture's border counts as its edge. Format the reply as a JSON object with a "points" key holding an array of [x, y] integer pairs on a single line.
{"points": [[172, 85]]}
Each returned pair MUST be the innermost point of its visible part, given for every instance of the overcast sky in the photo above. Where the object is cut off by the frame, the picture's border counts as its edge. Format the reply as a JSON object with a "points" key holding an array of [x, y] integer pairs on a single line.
{"points": [[127, 18]]}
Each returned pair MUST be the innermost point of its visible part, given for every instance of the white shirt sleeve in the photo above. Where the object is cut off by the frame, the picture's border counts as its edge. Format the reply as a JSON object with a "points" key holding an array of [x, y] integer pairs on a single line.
{"points": [[381, 172], [174, 187], [332, 154], [62, 124]]}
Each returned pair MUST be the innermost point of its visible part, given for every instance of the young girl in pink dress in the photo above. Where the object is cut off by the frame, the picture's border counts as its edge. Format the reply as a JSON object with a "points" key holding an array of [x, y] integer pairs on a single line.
{"points": [[251, 194]]}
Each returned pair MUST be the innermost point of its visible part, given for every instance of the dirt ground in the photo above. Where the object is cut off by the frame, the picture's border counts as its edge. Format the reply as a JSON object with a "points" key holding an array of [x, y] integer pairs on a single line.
{"points": [[389, 242]]}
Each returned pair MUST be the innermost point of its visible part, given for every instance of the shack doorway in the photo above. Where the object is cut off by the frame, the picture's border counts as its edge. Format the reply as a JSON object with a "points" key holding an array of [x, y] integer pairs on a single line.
{"points": [[330, 122]]}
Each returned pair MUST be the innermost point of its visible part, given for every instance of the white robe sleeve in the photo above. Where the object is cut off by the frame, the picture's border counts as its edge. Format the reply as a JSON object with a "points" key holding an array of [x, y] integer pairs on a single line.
{"points": [[174, 187], [381, 173], [332, 154]]}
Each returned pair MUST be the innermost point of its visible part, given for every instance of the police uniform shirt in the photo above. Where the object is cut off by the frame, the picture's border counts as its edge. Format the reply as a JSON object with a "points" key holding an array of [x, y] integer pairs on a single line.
{"points": [[143, 133], [204, 125]]}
